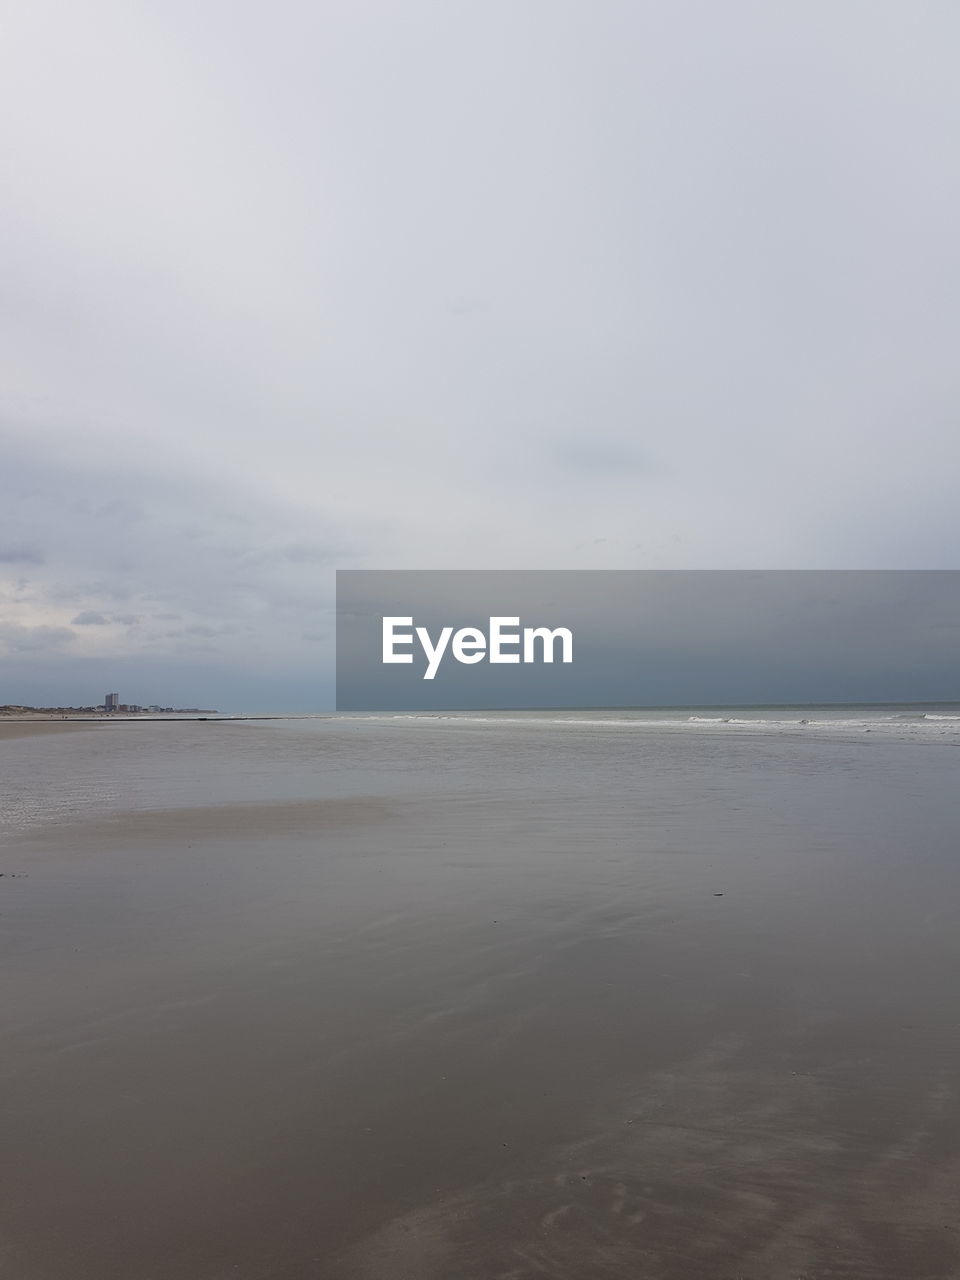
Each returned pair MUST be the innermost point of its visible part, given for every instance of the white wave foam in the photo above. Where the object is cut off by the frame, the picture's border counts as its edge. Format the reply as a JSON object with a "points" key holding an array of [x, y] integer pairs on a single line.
{"points": [[909, 726]]}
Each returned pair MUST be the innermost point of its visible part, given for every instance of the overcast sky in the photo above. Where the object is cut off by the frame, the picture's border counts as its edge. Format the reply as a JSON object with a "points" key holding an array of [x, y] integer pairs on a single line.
{"points": [[441, 284]]}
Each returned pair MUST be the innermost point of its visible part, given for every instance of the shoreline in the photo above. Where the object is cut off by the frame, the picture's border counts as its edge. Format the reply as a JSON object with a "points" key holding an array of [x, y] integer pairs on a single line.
{"points": [[22, 727]]}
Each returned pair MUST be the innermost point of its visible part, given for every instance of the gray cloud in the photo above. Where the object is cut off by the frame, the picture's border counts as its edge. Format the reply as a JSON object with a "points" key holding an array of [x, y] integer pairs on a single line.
{"points": [[20, 639], [21, 555], [592, 457], [554, 285], [90, 618]]}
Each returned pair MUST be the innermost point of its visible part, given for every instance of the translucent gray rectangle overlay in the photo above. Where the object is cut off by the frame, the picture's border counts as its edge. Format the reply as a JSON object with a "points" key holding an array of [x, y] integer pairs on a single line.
{"points": [[645, 638]]}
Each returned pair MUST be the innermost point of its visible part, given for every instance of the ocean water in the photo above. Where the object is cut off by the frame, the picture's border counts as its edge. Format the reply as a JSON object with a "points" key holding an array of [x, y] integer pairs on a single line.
{"points": [[666, 993], [903, 721], [48, 780]]}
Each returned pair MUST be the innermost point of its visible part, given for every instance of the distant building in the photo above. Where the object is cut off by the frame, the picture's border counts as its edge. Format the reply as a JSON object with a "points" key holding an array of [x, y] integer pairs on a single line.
{"points": [[111, 702]]}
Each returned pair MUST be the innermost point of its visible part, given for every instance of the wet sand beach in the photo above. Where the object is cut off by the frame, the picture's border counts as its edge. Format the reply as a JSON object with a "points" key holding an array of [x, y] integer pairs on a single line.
{"points": [[30, 728], [371, 1000]]}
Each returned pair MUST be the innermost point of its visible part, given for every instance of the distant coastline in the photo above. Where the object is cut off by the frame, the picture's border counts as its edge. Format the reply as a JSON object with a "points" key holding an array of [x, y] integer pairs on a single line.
{"points": [[48, 713]]}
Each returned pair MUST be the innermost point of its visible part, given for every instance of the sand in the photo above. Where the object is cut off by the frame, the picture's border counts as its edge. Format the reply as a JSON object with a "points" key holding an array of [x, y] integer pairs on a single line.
{"points": [[462, 1017], [30, 728]]}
